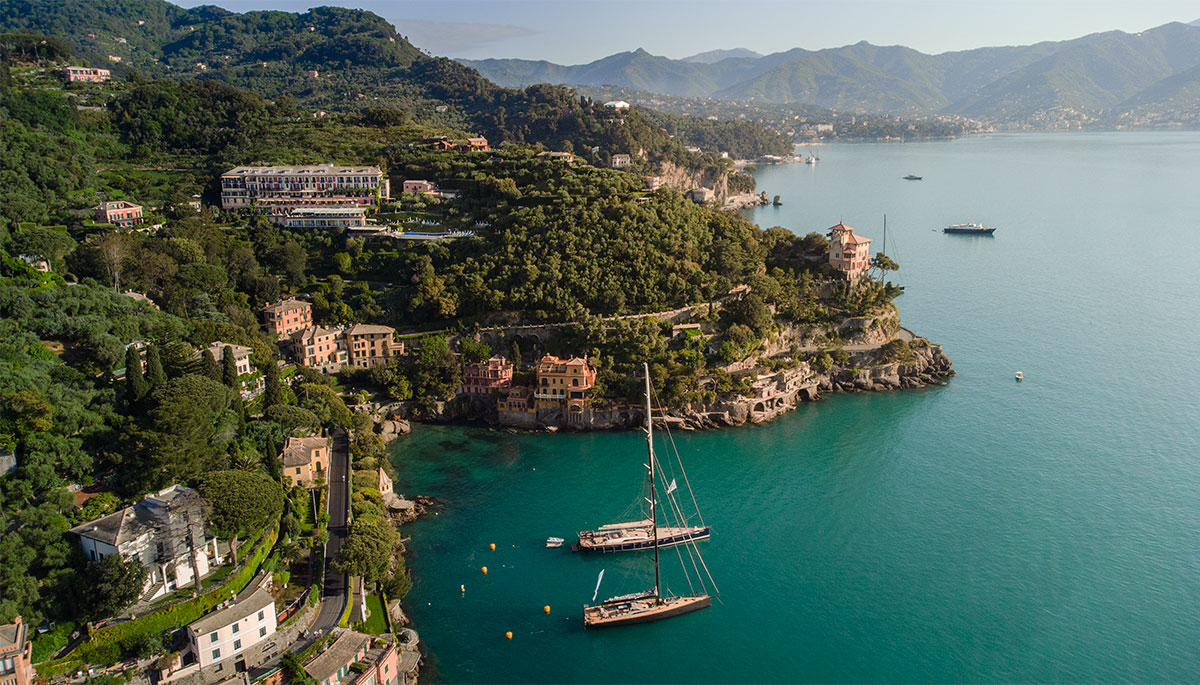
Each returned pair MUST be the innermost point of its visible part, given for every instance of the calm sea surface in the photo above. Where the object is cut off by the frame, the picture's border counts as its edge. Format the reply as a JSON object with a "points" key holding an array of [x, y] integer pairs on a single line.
{"points": [[984, 531]]}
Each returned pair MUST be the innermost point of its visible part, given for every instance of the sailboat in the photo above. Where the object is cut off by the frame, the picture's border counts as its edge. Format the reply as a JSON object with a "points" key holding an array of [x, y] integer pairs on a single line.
{"points": [[653, 605]]}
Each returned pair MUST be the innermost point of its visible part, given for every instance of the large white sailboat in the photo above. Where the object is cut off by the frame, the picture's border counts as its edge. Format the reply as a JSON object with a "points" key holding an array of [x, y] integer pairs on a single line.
{"points": [[653, 604]]}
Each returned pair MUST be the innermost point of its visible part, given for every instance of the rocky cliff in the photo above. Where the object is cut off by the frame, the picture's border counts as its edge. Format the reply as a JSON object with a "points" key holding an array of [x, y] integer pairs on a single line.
{"points": [[685, 180]]}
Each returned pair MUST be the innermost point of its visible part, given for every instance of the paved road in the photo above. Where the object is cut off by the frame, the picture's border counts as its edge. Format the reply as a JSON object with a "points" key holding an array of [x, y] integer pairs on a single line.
{"points": [[333, 592]]}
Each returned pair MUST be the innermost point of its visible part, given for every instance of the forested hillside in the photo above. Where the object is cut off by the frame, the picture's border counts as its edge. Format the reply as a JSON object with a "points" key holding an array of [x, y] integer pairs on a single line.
{"points": [[329, 58]]}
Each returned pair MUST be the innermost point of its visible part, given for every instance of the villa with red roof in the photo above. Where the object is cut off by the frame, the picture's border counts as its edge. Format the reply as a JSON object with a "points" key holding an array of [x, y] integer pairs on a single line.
{"points": [[849, 253]]}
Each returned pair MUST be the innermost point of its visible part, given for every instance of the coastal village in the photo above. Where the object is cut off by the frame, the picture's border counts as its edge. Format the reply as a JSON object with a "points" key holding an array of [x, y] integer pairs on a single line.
{"points": [[301, 600], [244, 637]]}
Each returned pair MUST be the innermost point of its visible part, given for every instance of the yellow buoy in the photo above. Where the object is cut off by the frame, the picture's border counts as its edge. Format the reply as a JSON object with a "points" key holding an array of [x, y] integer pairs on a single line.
{"points": [[462, 588], [484, 569], [493, 546], [508, 635], [546, 608]]}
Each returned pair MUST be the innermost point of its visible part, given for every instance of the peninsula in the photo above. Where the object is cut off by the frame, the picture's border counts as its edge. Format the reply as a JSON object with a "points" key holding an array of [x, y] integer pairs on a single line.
{"points": [[218, 304]]}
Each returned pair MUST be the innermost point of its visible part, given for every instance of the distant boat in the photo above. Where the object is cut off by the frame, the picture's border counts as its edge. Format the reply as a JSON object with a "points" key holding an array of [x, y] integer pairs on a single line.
{"points": [[812, 159], [1020, 376], [910, 177], [554, 542], [969, 229], [776, 202]]}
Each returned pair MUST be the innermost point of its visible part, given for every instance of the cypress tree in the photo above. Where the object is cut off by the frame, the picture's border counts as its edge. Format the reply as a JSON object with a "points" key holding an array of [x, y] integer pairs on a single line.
{"points": [[209, 366], [135, 382], [271, 456], [229, 375], [154, 368], [273, 392]]}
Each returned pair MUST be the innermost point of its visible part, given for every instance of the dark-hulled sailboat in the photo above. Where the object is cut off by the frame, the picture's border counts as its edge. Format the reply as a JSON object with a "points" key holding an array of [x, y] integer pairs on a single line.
{"points": [[654, 605]]}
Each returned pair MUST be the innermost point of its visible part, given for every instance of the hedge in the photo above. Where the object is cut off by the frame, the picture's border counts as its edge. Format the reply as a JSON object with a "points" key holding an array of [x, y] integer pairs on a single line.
{"points": [[107, 645]]}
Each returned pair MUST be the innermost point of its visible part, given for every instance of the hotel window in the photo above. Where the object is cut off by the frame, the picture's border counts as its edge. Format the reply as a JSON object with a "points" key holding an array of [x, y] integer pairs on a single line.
{"points": [[235, 629], [262, 632], [261, 615], [216, 654], [212, 637], [237, 644]]}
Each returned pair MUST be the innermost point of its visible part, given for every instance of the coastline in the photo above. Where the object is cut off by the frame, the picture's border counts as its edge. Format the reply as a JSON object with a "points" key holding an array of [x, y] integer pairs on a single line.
{"points": [[865, 366]]}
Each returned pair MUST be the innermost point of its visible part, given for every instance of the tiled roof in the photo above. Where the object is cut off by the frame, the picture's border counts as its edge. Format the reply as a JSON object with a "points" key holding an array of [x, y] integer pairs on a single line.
{"points": [[367, 329], [12, 637], [309, 170], [258, 600], [287, 305], [343, 652], [298, 451]]}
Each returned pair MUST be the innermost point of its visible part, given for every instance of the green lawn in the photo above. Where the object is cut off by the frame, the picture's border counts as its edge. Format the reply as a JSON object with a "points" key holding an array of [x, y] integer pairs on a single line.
{"points": [[376, 623]]}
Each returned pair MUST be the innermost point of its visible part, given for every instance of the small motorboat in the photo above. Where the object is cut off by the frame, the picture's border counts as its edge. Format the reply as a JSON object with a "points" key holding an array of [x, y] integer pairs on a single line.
{"points": [[1020, 376], [555, 542], [911, 177]]}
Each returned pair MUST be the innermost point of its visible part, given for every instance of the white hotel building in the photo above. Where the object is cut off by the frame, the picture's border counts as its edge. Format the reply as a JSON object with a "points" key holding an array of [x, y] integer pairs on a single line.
{"points": [[288, 187]]}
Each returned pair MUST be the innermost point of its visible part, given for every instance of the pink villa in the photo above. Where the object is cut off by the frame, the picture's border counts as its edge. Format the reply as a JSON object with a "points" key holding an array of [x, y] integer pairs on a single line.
{"points": [[356, 658], [120, 213], [484, 378], [849, 253], [419, 186], [287, 316], [477, 144], [86, 75], [16, 653]]}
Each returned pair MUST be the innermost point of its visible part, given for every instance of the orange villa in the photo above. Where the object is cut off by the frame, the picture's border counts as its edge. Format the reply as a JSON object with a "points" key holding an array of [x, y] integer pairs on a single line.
{"points": [[370, 344], [849, 253], [287, 316], [561, 383], [305, 460], [319, 348], [361, 345]]}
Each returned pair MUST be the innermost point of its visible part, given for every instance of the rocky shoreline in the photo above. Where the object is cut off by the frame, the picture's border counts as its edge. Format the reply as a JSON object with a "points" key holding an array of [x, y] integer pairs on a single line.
{"points": [[862, 367]]}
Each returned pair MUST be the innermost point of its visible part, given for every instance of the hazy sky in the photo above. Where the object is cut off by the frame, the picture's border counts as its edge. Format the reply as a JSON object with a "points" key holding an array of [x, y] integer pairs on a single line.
{"points": [[578, 31]]}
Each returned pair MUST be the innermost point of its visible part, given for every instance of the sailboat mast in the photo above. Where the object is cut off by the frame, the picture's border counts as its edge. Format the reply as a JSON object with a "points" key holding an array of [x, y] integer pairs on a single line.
{"points": [[653, 491], [885, 233]]}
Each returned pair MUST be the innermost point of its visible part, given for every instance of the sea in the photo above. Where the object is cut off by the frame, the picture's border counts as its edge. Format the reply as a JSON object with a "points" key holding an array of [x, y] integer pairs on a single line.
{"points": [[988, 530]]}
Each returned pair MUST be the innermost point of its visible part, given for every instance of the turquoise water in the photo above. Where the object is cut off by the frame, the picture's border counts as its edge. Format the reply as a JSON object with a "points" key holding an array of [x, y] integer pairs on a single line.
{"points": [[982, 531]]}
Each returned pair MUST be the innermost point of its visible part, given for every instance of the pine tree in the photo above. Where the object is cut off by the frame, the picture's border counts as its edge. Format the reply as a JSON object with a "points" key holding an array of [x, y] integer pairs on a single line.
{"points": [[154, 368], [229, 375], [136, 386], [209, 366], [273, 392]]}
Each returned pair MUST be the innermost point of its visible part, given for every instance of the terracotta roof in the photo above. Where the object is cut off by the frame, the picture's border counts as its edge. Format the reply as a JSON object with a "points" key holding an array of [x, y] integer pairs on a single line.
{"points": [[573, 361], [853, 239]]}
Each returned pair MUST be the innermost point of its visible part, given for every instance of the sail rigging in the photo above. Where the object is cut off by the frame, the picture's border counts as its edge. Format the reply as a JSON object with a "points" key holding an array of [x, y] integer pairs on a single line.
{"points": [[655, 604]]}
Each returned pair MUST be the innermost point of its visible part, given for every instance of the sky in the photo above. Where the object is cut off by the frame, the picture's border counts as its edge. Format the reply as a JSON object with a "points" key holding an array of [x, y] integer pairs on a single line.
{"points": [[579, 31]]}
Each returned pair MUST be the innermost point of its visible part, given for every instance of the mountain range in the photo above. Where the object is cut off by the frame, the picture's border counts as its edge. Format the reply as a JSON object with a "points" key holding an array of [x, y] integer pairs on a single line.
{"points": [[1112, 77]]}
